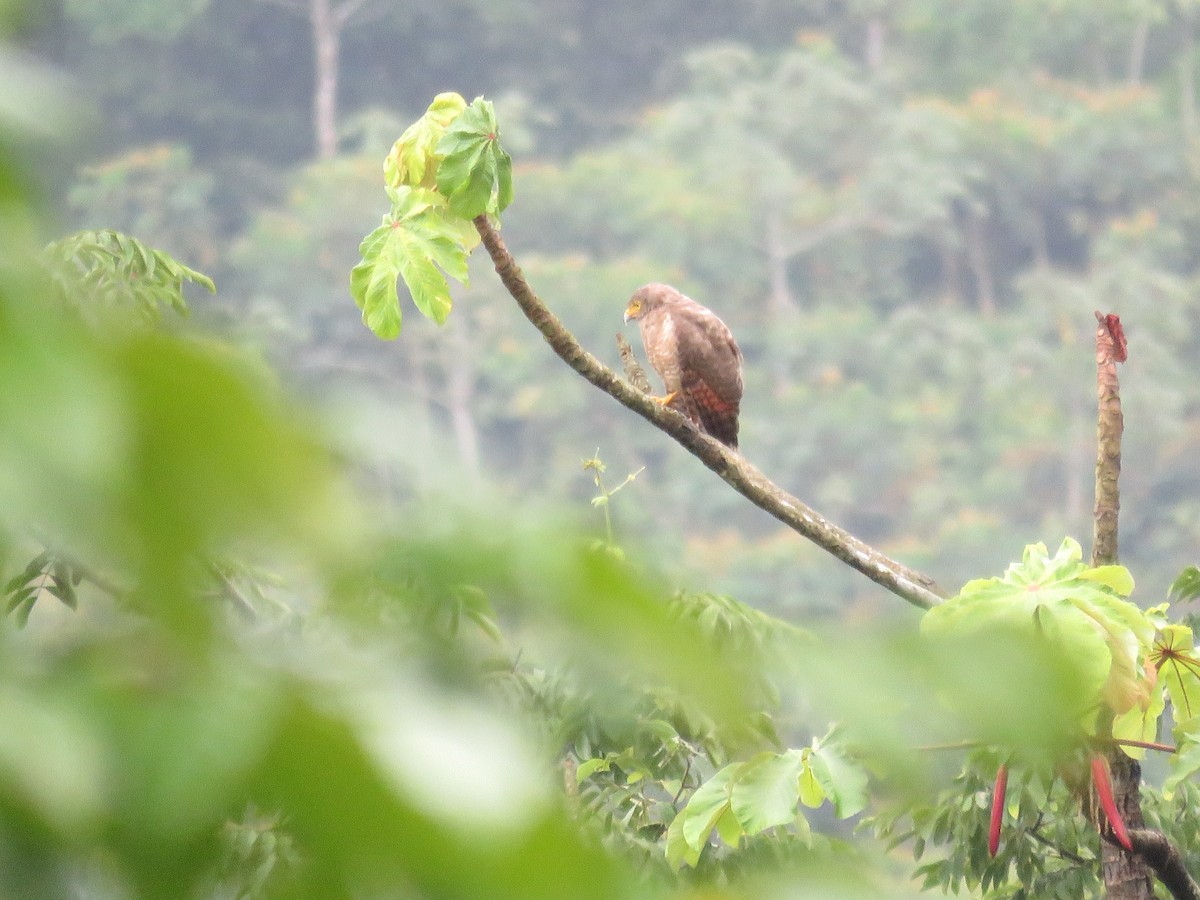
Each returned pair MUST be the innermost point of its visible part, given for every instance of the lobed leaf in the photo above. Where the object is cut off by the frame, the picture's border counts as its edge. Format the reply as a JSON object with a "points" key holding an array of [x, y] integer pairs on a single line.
{"points": [[413, 159], [707, 805], [766, 791], [1178, 665], [419, 243], [1187, 586], [844, 782], [1077, 613], [475, 173]]}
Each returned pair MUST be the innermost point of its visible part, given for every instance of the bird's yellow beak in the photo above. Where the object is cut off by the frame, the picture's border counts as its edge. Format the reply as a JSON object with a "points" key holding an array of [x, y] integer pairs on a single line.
{"points": [[630, 312]]}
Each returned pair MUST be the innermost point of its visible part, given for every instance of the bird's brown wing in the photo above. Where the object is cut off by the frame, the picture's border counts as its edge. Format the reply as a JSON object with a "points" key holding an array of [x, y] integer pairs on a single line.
{"points": [[711, 373]]}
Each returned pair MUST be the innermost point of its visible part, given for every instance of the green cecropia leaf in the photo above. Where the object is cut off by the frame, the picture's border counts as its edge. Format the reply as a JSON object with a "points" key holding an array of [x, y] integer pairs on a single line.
{"points": [[475, 172], [447, 168], [1186, 762], [1076, 612], [1175, 658], [413, 160], [1187, 586], [751, 796], [419, 242]]}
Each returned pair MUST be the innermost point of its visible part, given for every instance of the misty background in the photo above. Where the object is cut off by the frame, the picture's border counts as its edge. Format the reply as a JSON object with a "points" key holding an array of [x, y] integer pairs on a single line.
{"points": [[906, 211]]}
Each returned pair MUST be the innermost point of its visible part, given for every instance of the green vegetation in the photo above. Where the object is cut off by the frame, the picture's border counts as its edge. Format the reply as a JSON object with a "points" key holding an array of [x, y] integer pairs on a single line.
{"points": [[292, 611]]}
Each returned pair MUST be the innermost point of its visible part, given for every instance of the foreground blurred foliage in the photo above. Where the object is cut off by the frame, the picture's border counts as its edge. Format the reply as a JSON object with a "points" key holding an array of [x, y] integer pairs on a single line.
{"points": [[178, 723], [273, 686]]}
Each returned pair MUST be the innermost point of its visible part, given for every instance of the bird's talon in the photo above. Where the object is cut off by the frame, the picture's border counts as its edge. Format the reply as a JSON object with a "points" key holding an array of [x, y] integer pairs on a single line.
{"points": [[666, 401]]}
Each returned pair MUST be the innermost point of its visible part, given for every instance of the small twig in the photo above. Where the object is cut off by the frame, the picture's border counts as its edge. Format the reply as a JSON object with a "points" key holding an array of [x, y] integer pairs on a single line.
{"points": [[571, 786], [633, 369], [955, 745], [687, 770], [82, 570], [1034, 832], [1145, 745], [232, 593], [87, 573]]}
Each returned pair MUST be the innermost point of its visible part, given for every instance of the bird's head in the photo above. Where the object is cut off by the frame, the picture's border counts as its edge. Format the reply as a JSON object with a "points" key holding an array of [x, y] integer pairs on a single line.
{"points": [[646, 298]]}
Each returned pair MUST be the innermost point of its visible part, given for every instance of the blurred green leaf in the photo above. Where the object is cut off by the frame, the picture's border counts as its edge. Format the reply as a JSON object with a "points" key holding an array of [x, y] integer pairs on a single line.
{"points": [[766, 791], [53, 761], [344, 853], [1076, 613], [101, 273], [843, 782], [1186, 586], [1185, 763]]}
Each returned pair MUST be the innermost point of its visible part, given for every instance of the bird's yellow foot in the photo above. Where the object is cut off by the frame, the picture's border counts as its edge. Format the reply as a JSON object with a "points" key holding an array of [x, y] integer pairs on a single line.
{"points": [[666, 401]]}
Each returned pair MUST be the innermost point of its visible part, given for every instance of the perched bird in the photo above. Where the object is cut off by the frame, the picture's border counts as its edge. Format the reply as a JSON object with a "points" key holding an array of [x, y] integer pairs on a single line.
{"points": [[695, 355]]}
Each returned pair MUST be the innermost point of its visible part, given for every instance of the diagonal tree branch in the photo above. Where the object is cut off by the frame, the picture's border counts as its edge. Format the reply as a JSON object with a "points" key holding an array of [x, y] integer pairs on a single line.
{"points": [[917, 589], [1167, 862]]}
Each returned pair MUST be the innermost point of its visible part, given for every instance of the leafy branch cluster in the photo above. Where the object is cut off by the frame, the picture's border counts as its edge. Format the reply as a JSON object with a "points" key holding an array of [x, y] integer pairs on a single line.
{"points": [[44, 572], [445, 170], [103, 273]]}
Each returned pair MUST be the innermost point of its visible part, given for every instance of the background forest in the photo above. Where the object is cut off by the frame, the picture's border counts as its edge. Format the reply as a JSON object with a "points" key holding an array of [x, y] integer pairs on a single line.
{"points": [[338, 634], [906, 211]]}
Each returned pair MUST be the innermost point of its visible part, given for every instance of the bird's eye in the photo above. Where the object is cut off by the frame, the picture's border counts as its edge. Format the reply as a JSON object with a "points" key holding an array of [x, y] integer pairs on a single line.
{"points": [[635, 305]]}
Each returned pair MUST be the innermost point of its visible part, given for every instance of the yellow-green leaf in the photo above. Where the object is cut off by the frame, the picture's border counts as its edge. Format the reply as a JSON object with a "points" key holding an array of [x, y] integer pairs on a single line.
{"points": [[1178, 665], [413, 160]]}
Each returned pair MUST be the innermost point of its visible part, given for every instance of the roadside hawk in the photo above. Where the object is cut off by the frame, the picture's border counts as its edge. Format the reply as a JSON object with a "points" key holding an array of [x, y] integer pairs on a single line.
{"points": [[695, 355]]}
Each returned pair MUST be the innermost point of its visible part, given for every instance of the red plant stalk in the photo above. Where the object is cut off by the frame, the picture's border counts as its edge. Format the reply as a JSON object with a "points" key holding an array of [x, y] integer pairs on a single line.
{"points": [[997, 809], [1105, 792]]}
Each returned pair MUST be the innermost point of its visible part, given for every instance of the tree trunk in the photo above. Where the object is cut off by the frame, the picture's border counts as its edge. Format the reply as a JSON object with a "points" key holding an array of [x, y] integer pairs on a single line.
{"points": [[1041, 241], [876, 39], [327, 39], [417, 357], [977, 257], [1137, 51], [951, 271], [460, 397], [779, 302], [1125, 875], [1075, 461], [1187, 79]]}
